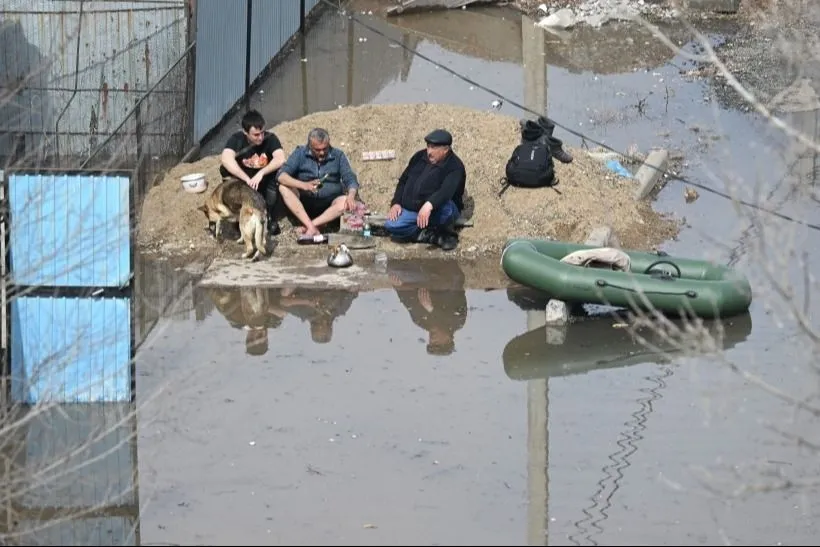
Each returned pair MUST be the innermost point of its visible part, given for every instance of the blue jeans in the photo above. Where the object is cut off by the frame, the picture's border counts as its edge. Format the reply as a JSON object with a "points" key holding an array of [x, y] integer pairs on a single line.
{"points": [[405, 227]]}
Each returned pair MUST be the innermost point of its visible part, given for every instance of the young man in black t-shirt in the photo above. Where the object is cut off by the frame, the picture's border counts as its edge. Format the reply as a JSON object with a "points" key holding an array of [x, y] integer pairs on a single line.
{"points": [[253, 156]]}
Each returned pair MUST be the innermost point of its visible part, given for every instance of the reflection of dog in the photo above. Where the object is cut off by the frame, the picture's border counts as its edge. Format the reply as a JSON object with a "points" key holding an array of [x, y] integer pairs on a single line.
{"points": [[233, 200]]}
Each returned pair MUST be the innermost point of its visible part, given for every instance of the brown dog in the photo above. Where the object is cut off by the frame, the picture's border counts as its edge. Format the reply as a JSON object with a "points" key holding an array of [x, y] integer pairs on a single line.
{"points": [[234, 201]]}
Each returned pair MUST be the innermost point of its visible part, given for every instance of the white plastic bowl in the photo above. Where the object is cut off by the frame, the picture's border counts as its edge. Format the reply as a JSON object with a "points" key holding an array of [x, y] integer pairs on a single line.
{"points": [[194, 183]]}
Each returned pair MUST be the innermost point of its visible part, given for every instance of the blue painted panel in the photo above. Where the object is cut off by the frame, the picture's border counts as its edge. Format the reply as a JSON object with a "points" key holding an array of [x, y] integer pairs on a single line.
{"points": [[70, 230], [67, 350]]}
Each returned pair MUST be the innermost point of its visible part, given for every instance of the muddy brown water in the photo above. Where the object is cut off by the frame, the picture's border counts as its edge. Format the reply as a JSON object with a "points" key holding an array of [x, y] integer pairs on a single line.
{"points": [[441, 412]]}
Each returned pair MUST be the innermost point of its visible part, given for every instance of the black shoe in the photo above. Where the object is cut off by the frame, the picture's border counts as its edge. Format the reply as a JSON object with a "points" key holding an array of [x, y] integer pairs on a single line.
{"points": [[447, 241], [426, 236], [562, 155], [274, 229], [531, 131], [546, 123]]}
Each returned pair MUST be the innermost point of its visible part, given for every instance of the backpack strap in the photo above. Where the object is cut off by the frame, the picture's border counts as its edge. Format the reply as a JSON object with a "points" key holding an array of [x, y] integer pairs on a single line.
{"points": [[504, 185]]}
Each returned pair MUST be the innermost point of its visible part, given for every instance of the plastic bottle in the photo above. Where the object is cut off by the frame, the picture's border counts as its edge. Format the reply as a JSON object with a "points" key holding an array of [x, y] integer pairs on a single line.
{"points": [[366, 230], [318, 239]]}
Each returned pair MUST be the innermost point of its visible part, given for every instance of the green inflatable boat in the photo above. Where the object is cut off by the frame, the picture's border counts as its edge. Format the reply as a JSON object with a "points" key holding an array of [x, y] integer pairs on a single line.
{"points": [[674, 286], [595, 345]]}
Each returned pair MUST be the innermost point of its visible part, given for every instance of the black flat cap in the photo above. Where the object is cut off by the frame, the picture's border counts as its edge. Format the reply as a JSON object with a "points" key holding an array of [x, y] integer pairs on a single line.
{"points": [[440, 137]]}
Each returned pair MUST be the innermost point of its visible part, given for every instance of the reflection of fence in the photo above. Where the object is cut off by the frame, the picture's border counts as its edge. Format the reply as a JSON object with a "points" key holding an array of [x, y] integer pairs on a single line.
{"points": [[69, 476]]}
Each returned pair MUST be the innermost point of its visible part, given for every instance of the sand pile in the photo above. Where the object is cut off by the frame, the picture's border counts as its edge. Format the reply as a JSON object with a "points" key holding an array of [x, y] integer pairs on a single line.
{"points": [[590, 195]]}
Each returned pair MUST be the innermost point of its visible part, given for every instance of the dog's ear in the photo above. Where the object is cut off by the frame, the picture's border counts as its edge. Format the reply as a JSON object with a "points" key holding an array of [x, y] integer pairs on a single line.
{"points": [[203, 208]]}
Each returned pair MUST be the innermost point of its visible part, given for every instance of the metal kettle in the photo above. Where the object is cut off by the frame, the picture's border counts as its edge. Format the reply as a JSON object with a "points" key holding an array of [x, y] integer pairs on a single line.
{"points": [[340, 257]]}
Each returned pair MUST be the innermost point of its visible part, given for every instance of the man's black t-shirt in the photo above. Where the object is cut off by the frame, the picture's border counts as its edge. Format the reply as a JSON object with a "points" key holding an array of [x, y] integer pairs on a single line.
{"points": [[251, 158]]}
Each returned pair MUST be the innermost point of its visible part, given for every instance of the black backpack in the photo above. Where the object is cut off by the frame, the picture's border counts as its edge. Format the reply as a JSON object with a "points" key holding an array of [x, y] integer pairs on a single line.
{"points": [[530, 166]]}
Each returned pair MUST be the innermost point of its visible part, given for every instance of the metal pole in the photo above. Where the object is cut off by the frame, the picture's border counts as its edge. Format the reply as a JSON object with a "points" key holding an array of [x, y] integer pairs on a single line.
{"points": [[249, 11], [190, 72], [302, 16]]}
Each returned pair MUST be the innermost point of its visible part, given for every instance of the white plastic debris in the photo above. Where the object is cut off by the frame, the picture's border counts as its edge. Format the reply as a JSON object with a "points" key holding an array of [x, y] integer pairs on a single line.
{"points": [[563, 18]]}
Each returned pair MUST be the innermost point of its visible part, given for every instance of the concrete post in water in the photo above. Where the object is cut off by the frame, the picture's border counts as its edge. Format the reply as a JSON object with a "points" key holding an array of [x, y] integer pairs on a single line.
{"points": [[533, 46], [557, 312], [651, 172], [533, 51]]}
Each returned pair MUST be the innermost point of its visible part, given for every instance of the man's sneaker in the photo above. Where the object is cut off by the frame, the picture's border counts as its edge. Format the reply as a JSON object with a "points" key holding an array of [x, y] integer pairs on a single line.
{"points": [[562, 155], [274, 229]]}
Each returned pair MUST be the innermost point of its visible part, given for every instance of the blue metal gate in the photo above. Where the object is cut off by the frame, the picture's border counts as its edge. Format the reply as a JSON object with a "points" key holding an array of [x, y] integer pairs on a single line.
{"points": [[69, 302]]}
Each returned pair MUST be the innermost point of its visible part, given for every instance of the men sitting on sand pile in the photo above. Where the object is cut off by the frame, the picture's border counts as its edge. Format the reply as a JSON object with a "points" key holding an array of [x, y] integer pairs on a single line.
{"points": [[318, 185]]}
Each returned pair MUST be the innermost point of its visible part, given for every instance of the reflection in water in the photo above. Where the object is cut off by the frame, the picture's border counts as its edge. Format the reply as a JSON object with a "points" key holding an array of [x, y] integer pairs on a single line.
{"points": [[435, 297], [538, 355], [69, 475], [372, 59], [596, 344], [258, 310], [601, 499], [319, 308]]}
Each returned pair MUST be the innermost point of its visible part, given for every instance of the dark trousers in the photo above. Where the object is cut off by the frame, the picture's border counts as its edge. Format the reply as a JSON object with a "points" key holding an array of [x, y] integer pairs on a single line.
{"points": [[269, 189]]}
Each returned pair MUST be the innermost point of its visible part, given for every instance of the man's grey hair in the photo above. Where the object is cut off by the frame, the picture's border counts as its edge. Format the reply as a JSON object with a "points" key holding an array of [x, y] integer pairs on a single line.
{"points": [[318, 134]]}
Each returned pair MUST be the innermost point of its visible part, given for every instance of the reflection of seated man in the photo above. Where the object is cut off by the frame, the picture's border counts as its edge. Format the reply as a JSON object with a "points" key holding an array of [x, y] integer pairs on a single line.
{"points": [[254, 309], [441, 311], [319, 307]]}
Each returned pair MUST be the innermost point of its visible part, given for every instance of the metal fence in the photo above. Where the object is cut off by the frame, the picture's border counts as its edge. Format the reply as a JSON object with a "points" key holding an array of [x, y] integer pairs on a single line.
{"points": [[70, 72], [155, 133], [244, 43]]}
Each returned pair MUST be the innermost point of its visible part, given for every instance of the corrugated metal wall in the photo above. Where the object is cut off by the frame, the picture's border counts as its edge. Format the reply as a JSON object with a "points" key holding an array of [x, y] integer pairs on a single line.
{"points": [[68, 231], [81, 95], [222, 42]]}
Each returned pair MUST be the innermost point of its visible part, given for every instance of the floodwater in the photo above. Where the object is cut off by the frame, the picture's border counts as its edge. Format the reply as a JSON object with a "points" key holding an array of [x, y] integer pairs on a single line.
{"points": [[442, 412]]}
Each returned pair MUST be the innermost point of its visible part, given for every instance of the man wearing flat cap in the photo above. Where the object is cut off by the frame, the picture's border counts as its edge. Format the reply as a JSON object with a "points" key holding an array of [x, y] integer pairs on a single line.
{"points": [[429, 196]]}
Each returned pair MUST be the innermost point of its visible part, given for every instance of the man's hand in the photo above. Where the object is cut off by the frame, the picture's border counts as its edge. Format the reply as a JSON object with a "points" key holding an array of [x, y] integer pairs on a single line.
{"points": [[394, 212], [311, 186], [256, 180], [425, 300], [350, 203], [423, 218]]}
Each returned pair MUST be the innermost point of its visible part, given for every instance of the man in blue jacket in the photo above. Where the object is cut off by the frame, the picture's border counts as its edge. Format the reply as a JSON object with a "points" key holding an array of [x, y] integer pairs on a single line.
{"points": [[429, 196], [317, 183]]}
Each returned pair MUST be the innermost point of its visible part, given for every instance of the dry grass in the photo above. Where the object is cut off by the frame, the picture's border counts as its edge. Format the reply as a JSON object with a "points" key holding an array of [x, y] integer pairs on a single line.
{"points": [[590, 195]]}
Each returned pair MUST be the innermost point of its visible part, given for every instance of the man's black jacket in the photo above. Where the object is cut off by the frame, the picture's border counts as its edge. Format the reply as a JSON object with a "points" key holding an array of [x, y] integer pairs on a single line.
{"points": [[422, 181]]}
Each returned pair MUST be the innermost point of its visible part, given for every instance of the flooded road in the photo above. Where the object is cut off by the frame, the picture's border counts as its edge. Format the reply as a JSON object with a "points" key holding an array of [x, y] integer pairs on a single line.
{"points": [[440, 412]]}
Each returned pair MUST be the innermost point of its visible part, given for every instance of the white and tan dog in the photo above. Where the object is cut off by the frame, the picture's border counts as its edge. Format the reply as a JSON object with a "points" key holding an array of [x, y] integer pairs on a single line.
{"points": [[234, 201]]}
